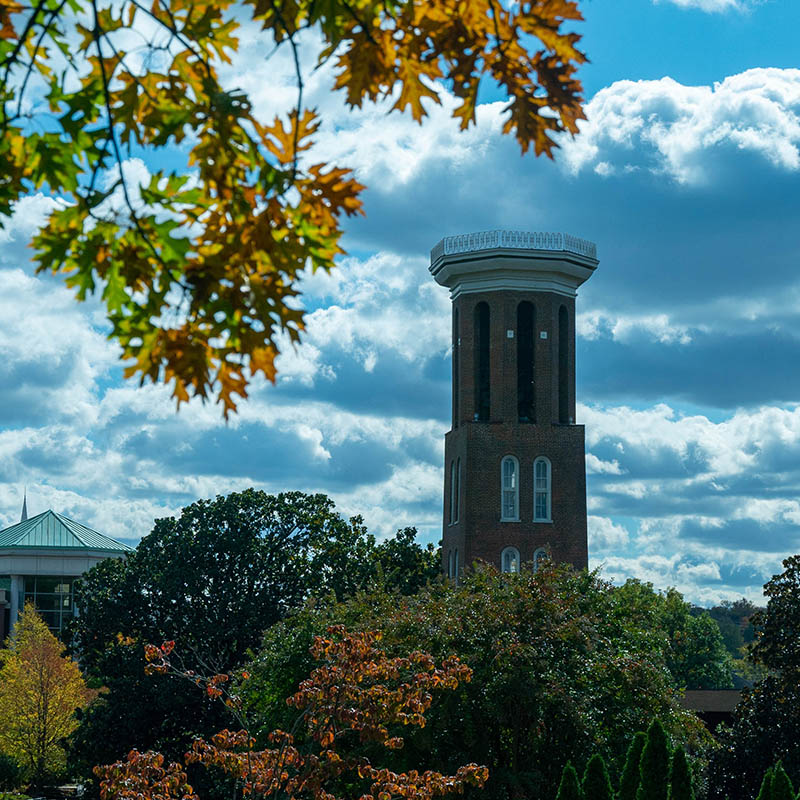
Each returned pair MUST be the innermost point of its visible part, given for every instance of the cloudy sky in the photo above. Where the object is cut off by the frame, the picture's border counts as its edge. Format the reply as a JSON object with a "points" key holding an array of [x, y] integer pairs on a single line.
{"points": [[686, 175]]}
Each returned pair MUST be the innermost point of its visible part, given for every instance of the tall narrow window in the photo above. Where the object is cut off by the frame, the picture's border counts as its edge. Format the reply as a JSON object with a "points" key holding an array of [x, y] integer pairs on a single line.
{"points": [[458, 491], [453, 493], [526, 325], [456, 354], [509, 560], [563, 366], [509, 469], [450, 564], [541, 490], [455, 566], [482, 362]]}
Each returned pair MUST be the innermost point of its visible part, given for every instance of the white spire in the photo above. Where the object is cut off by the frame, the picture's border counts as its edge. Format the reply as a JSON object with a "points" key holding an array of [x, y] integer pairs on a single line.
{"points": [[24, 506]]}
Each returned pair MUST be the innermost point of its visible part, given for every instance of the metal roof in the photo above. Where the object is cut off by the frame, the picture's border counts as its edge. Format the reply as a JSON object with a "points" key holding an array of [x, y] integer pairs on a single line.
{"points": [[59, 532]]}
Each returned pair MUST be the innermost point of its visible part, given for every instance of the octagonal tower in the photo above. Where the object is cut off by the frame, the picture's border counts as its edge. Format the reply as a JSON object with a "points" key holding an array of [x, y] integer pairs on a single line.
{"points": [[515, 473]]}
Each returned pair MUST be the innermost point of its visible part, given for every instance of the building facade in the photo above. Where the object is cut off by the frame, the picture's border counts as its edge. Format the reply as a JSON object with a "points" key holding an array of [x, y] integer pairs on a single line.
{"points": [[40, 560], [515, 474]]}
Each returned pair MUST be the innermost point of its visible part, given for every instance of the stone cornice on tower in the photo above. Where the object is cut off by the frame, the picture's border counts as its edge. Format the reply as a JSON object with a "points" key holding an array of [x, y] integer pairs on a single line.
{"points": [[513, 260]]}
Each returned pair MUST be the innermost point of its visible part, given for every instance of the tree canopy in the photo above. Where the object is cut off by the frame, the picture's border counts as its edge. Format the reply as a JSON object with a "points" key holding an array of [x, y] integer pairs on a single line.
{"points": [[198, 269], [357, 699], [214, 579], [766, 725], [561, 670]]}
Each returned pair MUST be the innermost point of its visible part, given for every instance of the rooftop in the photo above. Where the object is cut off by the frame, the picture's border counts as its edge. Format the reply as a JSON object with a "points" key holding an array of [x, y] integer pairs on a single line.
{"points": [[51, 530]]}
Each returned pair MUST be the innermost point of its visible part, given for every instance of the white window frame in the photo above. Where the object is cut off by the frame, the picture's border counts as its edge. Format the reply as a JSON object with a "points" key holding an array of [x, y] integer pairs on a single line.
{"points": [[506, 490], [540, 555], [547, 490], [513, 554]]}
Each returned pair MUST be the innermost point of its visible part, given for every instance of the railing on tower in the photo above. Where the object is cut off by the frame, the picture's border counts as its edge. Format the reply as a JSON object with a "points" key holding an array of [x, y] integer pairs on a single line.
{"points": [[521, 240]]}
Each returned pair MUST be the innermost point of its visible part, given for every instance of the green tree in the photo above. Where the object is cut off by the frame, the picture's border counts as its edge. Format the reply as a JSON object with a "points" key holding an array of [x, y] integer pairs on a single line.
{"points": [[693, 645], [405, 564], [654, 764], [40, 690], [560, 672], [631, 777], [680, 778], [198, 269], [751, 746], [569, 788], [596, 785], [765, 792], [10, 772], [213, 578], [781, 788]]}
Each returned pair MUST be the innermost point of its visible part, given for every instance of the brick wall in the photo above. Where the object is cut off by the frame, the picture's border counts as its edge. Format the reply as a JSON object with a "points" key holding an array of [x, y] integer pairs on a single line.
{"points": [[481, 446]]}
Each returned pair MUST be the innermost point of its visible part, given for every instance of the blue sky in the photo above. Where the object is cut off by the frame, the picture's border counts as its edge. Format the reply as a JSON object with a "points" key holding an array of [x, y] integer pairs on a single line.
{"points": [[687, 176]]}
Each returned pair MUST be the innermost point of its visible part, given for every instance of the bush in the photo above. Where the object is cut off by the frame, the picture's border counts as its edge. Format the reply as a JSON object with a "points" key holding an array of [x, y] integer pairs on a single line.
{"points": [[9, 774]]}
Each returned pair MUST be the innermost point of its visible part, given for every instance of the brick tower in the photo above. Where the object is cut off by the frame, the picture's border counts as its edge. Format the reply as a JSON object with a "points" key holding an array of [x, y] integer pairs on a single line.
{"points": [[515, 473]]}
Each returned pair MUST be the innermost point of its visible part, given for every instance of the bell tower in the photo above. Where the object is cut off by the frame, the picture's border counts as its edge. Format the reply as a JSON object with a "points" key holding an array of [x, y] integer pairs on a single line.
{"points": [[515, 472]]}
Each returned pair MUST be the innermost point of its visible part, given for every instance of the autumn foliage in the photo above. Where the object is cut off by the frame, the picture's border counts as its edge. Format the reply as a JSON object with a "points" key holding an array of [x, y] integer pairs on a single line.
{"points": [[357, 696], [198, 268], [40, 691]]}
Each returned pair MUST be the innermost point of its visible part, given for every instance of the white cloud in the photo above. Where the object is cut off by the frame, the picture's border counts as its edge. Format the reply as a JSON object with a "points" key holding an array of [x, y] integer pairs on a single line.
{"points": [[597, 466], [669, 128], [597, 323], [709, 6], [604, 534]]}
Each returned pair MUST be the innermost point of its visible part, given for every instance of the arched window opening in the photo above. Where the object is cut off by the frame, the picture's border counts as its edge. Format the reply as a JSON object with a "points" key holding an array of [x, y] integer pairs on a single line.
{"points": [[482, 363], [456, 354], [455, 566], [541, 490], [509, 560], [539, 557], [450, 564], [509, 469], [526, 398], [563, 366], [457, 513], [453, 493]]}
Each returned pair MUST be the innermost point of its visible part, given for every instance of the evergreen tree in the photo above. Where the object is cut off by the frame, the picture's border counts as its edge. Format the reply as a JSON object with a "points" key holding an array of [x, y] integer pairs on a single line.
{"points": [[654, 765], [596, 783], [570, 788], [781, 785], [680, 779], [766, 786], [629, 782]]}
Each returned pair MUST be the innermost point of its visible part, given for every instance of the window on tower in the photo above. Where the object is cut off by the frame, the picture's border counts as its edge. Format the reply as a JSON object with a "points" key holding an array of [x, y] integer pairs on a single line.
{"points": [[458, 491], [509, 560], [526, 325], [509, 475], [482, 362], [563, 366], [453, 491], [456, 356], [541, 490]]}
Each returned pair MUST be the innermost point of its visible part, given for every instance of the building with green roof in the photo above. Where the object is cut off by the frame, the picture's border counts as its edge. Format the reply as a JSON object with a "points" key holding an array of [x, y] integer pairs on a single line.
{"points": [[40, 558]]}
